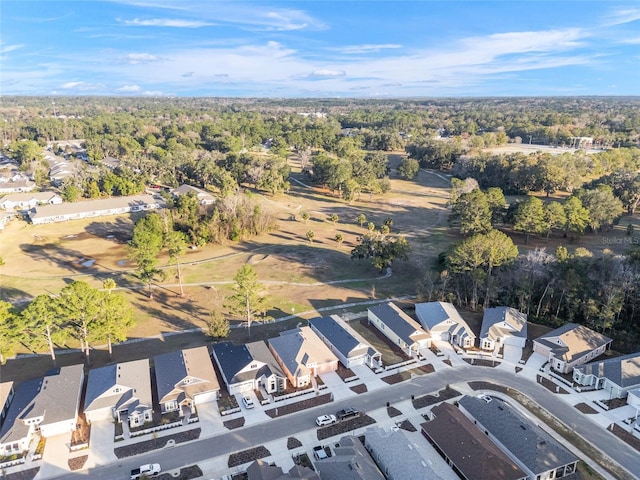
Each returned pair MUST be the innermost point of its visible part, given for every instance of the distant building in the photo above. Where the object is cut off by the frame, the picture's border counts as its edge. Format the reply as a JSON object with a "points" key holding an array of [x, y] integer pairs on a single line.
{"points": [[26, 201], [204, 197], [93, 208]]}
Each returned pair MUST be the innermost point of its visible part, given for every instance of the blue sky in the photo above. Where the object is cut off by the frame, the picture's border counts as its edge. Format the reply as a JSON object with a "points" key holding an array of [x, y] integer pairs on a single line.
{"points": [[319, 48]]}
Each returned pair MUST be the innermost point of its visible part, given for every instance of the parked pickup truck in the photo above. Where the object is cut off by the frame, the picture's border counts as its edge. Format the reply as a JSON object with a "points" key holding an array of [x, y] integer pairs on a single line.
{"points": [[148, 470]]}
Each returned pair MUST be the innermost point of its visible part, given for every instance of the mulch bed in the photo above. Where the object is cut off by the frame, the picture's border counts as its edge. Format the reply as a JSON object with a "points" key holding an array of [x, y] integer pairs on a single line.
{"points": [[77, 463], [293, 442], [625, 436], [481, 362], [234, 423], [518, 369], [187, 473], [393, 412], [448, 362], [297, 406], [247, 456], [585, 408], [615, 403], [406, 375], [362, 388], [155, 443], [549, 385], [488, 386], [345, 426], [408, 426], [22, 475], [345, 373], [427, 400]]}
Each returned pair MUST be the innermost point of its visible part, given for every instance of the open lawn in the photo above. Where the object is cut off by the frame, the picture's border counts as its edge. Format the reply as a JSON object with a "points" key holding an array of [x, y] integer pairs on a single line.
{"points": [[300, 276]]}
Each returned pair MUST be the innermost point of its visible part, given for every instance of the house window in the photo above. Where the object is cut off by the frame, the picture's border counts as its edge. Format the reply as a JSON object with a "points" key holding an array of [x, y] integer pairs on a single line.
{"points": [[171, 406]]}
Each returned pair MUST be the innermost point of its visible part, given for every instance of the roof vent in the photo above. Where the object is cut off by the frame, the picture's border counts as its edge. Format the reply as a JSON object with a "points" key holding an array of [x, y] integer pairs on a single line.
{"points": [[523, 427]]}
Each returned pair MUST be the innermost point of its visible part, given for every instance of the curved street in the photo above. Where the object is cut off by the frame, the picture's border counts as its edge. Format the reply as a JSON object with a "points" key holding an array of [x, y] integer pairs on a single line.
{"points": [[206, 448]]}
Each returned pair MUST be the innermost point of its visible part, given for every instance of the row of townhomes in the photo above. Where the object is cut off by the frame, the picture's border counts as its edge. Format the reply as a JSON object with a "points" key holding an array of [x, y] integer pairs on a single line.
{"points": [[48, 206], [140, 393]]}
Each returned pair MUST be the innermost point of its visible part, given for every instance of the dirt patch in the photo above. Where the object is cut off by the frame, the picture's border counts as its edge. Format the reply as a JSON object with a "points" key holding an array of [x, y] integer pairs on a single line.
{"points": [[362, 388], [155, 443], [345, 426], [393, 412], [77, 463], [550, 385], [293, 442], [481, 362], [408, 374], [22, 475], [234, 423], [615, 403], [345, 373], [247, 456], [428, 400], [301, 405], [408, 426], [585, 408], [625, 435], [187, 473]]}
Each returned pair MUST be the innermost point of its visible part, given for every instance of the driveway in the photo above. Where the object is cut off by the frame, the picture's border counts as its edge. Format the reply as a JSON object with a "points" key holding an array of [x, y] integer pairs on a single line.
{"points": [[512, 354], [532, 367], [101, 443], [54, 459]]}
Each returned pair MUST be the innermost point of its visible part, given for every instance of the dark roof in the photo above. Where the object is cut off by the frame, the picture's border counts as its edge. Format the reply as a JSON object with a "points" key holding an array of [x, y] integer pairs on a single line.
{"points": [[398, 321], [100, 380], [350, 462], [260, 470], [231, 360], [342, 339], [623, 371], [260, 351], [170, 369], [13, 430], [531, 445], [477, 457]]}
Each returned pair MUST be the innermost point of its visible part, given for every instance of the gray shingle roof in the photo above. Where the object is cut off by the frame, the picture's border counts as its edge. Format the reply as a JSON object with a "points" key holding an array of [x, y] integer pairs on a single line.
{"points": [[58, 396], [101, 206], [397, 456], [398, 321], [170, 369], [231, 359], [623, 371], [340, 335], [13, 430], [535, 448], [350, 462], [516, 322], [133, 376]]}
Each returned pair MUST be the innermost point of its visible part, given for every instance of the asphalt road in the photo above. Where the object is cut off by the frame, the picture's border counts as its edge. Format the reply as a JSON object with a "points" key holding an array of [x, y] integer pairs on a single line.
{"points": [[205, 448]]}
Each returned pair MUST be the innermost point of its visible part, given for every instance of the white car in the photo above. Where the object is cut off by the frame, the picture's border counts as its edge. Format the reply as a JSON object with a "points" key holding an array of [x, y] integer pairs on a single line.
{"points": [[248, 403], [323, 420]]}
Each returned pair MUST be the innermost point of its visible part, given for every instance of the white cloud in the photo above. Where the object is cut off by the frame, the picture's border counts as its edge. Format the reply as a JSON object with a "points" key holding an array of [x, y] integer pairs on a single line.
{"points": [[153, 93], [623, 16], [129, 88], [367, 48], [631, 41], [136, 58], [9, 48], [82, 86], [166, 22], [326, 73]]}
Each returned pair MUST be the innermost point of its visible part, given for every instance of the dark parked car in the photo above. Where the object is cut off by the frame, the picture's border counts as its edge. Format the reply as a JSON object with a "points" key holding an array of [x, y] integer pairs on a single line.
{"points": [[346, 413]]}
